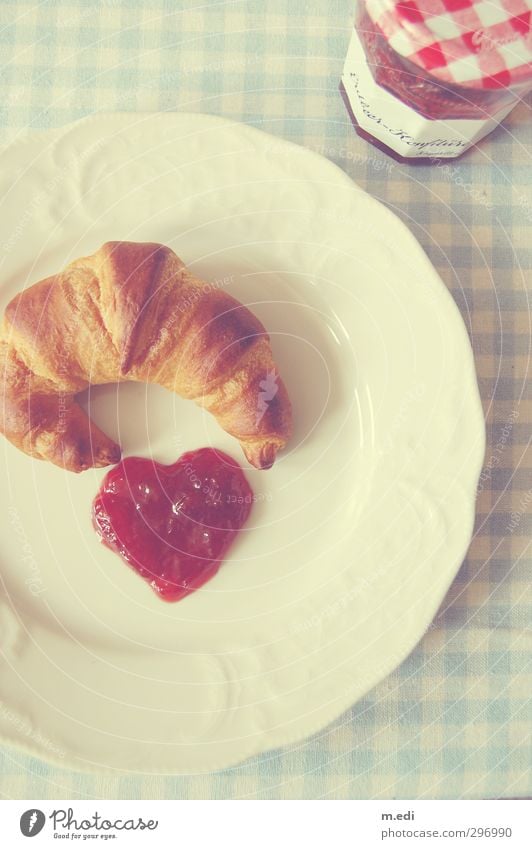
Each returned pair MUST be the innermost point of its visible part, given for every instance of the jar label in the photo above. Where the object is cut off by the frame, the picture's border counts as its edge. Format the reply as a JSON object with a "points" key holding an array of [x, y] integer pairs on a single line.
{"points": [[398, 125]]}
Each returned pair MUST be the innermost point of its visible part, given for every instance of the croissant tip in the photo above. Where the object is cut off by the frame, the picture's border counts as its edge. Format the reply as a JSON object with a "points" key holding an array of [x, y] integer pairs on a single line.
{"points": [[262, 455], [109, 457], [82, 461]]}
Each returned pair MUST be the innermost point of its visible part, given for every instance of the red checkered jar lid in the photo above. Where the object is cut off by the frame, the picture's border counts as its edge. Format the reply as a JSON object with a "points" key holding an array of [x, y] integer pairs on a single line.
{"points": [[485, 44]]}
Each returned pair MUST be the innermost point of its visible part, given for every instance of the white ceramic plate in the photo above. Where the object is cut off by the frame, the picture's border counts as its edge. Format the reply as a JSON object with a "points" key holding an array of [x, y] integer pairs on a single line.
{"points": [[358, 529]]}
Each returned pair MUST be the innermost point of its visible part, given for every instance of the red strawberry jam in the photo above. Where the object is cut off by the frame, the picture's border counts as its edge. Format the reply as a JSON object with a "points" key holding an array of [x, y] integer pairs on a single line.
{"points": [[173, 524]]}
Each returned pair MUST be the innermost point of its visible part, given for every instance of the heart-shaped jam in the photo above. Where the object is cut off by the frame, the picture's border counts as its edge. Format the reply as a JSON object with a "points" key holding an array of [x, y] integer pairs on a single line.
{"points": [[173, 524]]}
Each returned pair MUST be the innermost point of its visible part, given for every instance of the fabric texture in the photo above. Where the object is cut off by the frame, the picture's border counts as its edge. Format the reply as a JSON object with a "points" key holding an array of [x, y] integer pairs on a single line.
{"points": [[476, 43], [454, 720]]}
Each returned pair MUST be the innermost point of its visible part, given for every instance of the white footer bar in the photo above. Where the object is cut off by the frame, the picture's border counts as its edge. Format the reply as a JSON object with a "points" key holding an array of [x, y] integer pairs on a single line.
{"points": [[268, 824]]}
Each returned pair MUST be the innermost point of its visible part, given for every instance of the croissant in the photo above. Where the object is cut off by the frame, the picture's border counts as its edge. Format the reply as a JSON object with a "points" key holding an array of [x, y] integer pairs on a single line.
{"points": [[133, 311]]}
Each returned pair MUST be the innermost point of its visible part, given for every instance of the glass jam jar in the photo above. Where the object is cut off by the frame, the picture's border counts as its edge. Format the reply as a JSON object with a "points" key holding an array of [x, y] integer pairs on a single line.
{"points": [[429, 78]]}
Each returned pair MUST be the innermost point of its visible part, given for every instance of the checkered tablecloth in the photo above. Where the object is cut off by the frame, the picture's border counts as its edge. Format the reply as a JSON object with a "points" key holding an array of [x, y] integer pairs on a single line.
{"points": [[455, 719]]}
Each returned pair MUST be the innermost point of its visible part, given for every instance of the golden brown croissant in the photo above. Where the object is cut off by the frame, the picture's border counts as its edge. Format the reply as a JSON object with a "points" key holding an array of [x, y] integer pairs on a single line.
{"points": [[133, 311]]}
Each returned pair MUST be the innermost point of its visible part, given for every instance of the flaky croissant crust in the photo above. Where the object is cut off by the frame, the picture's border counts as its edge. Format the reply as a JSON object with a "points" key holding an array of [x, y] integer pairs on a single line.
{"points": [[133, 311]]}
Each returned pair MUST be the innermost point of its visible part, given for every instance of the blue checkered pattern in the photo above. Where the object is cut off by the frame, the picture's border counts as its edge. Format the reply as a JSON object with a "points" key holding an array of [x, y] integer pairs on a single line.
{"points": [[454, 720]]}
